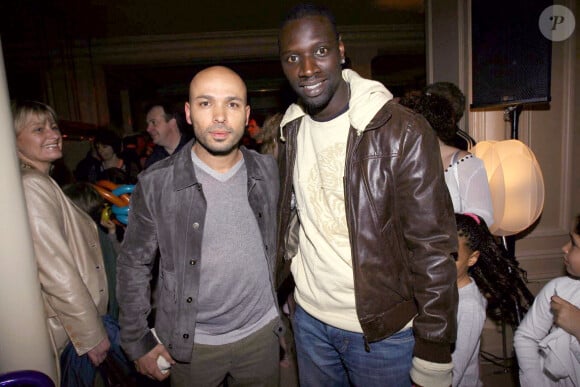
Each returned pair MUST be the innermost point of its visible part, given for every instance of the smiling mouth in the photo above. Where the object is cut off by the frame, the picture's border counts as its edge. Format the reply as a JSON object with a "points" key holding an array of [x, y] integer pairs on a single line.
{"points": [[314, 89]]}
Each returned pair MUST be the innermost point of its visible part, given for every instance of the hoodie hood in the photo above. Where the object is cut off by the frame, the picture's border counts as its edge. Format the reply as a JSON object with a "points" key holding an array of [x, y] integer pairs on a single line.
{"points": [[367, 97]]}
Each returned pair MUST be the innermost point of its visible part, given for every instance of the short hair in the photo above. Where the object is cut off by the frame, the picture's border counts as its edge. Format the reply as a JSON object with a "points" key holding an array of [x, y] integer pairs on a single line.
{"points": [[450, 92], [577, 227], [168, 111], [22, 109], [108, 137], [303, 10], [86, 197], [438, 111]]}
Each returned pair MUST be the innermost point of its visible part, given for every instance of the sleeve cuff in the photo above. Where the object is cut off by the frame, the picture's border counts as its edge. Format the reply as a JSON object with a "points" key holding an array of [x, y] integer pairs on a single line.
{"points": [[425, 373]]}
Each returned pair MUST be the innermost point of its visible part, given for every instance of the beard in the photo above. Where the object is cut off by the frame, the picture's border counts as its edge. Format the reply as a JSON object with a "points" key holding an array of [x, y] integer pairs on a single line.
{"points": [[216, 147]]}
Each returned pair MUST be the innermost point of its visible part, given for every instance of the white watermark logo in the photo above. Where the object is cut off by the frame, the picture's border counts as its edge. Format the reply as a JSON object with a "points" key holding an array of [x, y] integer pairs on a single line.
{"points": [[557, 23]]}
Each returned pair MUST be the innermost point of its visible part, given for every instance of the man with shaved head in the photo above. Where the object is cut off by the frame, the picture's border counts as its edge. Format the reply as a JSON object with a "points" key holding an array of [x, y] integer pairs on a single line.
{"points": [[210, 210]]}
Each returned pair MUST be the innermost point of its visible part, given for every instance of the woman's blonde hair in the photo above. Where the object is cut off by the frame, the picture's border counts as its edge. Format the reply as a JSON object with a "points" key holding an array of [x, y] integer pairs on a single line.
{"points": [[22, 110]]}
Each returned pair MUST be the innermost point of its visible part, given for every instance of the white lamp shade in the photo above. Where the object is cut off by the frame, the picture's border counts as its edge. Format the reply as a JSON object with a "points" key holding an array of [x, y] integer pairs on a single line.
{"points": [[516, 184]]}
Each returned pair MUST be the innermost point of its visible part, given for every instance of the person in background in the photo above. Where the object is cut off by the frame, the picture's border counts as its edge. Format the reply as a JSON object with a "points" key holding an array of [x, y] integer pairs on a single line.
{"points": [[547, 340], [487, 280], [211, 211], [270, 132], [68, 253], [167, 129], [465, 174], [461, 140], [113, 166], [365, 222], [90, 201], [133, 148], [252, 138], [89, 167]]}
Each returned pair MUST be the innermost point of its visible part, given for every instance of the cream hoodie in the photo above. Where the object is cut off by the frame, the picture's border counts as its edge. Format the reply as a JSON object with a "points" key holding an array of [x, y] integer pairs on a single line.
{"points": [[322, 267]]}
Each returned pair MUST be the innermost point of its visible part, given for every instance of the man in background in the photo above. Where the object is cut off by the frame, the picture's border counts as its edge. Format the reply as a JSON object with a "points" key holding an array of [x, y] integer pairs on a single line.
{"points": [[167, 131]]}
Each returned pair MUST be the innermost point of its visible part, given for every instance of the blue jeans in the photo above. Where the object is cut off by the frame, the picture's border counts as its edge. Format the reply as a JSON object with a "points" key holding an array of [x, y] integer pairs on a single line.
{"points": [[333, 357]]}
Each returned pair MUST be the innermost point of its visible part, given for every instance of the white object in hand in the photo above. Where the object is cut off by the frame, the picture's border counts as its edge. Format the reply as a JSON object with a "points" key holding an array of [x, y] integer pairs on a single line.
{"points": [[162, 363]]}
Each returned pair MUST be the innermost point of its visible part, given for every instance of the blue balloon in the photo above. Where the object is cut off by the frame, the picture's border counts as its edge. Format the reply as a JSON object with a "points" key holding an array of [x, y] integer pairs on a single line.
{"points": [[123, 219], [128, 188], [120, 210]]}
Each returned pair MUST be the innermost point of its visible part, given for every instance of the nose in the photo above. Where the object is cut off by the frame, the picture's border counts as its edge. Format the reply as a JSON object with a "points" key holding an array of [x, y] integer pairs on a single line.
{"points": [[52, 132], [566, 247], [219, 113], [308, 67]]}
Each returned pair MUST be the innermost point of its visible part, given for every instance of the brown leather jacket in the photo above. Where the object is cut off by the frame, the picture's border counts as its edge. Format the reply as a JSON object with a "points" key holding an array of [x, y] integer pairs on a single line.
{"points": [[401, 227]]}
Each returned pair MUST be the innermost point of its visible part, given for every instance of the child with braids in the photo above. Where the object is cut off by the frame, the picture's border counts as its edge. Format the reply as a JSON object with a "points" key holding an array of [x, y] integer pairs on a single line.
{"points": [[546, 342], [486, 279]]}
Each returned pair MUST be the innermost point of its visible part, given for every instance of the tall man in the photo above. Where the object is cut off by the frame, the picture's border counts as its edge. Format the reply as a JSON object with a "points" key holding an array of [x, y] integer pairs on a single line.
{"points": [[365, 220], [211, 211], [164, 128]]}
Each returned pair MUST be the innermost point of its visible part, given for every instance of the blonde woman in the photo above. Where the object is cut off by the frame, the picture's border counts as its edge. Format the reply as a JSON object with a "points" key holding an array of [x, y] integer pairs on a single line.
{"points": [[67, 250]]}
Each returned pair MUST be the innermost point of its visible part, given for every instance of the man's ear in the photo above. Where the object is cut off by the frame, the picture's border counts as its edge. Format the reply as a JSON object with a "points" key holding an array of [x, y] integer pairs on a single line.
{"points": [[472, 260], [187, 114], [341, 47], [247, 114]]}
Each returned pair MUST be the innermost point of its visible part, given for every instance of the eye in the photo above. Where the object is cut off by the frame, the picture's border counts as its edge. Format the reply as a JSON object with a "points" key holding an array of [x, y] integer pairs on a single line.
{"points": [[204, 103], [292, 58], [321, 51], [56, 128], [234, 105]]}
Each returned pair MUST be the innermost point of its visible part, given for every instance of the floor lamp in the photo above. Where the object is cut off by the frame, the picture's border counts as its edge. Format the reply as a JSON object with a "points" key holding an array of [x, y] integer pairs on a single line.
{"points": [[517, 189]]}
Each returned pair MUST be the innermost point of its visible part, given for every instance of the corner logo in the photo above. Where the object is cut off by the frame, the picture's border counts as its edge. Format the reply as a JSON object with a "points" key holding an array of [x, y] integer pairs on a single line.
{"points": [[557, 23]]}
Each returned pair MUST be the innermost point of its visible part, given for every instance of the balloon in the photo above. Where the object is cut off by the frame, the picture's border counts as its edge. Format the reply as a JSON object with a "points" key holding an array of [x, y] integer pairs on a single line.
{"points": [[118, 196], [126, 198], [107, 184], [123, 219], [120, 210], [123, 190], [108, 195], [106, 213]]}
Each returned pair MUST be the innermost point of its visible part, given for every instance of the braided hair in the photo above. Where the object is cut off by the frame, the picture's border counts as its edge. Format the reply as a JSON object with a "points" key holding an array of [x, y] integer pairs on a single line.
{"points": [[499, 277]]}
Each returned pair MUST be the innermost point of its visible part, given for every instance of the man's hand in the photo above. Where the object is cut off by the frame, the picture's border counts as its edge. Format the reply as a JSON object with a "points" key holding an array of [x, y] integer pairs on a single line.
{"points": [[566, 315], [147, 364], [98, 354]]}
